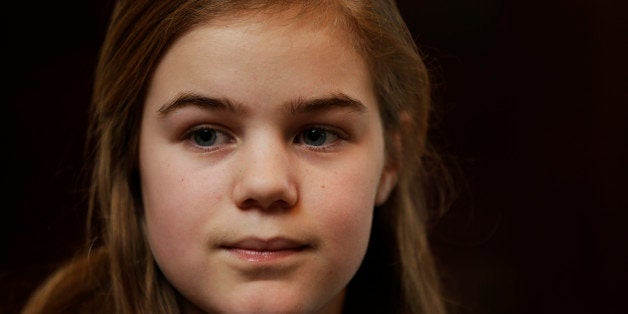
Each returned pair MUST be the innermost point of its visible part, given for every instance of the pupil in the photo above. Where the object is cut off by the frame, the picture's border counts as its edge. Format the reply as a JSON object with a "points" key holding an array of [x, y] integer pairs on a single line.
{"points": [[315, 137], [205, 137]]}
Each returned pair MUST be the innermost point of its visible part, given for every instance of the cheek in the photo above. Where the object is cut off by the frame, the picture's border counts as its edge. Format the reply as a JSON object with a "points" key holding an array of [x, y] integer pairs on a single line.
{"points": [[342, 208], [178, 203], [352, 205]]}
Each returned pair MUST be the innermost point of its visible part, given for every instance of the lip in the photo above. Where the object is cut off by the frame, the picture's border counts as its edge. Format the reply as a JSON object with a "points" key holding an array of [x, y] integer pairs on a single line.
{"points": [[253, 249]]}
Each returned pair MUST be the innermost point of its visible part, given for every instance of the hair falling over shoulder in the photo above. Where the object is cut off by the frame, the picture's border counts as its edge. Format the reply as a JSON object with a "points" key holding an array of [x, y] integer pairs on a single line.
{"points": [[398, 274]]}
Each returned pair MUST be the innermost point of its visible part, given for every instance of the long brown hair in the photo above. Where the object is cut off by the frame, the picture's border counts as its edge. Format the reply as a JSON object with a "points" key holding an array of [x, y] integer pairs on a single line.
{"points": [[118, 273]]}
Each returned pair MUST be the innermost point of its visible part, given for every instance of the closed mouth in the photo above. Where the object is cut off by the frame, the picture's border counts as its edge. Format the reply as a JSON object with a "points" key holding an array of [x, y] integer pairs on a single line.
{"points": [[255, 249]]}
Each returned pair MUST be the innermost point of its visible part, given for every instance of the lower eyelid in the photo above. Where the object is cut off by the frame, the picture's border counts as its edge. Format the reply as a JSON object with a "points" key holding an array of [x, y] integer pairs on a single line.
{"points": [[326, 148]]}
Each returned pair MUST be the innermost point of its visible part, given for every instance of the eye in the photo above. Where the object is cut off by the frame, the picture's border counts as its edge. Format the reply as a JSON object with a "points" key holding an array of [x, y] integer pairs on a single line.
{"points": [[317, 137], [208, 137]]}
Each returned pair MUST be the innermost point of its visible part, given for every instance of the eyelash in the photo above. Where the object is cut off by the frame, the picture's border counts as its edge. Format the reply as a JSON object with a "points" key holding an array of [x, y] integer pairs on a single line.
{"points": [[189, 137], [337, 135]]}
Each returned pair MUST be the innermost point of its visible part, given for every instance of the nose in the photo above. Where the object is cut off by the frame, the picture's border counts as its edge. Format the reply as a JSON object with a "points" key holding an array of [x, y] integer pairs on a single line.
{"points": [[265, 179]]}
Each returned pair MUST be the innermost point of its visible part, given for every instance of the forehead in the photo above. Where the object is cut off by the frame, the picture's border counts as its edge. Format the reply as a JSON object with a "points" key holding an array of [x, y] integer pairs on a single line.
{"points": [[284, 18], [248, 56]]}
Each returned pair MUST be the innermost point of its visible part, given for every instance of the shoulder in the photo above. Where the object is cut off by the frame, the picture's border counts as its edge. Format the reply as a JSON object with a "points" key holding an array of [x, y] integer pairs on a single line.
{"points": [[81, 286]]}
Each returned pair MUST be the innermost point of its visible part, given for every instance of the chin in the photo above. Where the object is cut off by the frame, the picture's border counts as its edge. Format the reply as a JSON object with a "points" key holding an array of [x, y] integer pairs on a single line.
{"points": [[269, 306], [276, 304], [272, 300]]}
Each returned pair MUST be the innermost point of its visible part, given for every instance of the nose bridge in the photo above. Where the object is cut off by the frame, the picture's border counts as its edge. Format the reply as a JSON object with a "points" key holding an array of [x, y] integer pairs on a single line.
{"points": [[265, 179]]}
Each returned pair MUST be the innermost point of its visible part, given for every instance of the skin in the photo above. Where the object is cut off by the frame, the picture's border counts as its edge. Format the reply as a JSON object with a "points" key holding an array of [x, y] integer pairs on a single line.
{"points": [[261, 177]]}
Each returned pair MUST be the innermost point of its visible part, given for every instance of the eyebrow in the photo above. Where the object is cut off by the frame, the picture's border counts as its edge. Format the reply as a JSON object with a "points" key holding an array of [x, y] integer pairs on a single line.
{"points": [[295, 107], [336, 100], [204, 102]]}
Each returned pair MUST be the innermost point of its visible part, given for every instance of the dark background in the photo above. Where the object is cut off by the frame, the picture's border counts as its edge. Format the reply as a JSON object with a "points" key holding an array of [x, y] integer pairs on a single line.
{"points": [[531, 99]]}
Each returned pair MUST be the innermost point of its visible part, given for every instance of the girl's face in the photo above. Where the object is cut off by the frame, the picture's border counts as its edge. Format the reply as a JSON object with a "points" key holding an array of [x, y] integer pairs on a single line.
{"points": [[261, 159]]}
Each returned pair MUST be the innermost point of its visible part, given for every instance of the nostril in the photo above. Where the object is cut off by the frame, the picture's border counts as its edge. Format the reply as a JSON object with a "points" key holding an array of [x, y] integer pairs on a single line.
{"points": [[277, 205]]}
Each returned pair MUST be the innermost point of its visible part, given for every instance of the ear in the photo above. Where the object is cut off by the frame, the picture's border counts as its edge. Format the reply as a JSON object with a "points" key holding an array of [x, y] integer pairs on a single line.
{"points": [[387, 182], [389, 177]]}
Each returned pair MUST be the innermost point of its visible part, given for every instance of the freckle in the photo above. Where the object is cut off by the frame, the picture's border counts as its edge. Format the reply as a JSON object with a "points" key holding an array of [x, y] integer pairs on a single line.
{"points": [[322, 186]]}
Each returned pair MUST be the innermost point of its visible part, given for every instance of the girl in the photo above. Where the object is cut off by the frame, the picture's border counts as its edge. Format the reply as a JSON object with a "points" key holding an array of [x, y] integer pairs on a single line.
{"points": [[256, 156]]}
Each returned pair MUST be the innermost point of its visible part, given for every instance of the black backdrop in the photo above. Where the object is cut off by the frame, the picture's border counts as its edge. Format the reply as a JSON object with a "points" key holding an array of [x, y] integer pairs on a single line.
{"points": [[532, 104]]}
